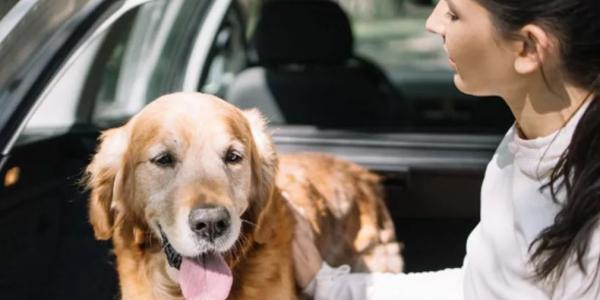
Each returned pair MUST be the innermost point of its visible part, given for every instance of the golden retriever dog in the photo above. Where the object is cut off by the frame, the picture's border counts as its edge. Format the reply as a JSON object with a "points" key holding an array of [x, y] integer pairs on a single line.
{"points": [[199, 206]]}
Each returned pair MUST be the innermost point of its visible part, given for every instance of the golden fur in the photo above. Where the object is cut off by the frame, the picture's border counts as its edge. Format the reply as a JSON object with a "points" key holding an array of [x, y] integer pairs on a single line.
{"points": [[130, 196]]}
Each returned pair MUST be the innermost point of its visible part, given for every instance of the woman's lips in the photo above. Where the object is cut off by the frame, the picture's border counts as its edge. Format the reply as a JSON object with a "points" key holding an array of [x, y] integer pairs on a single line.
{"points": [[450, 61], [452, 64]]}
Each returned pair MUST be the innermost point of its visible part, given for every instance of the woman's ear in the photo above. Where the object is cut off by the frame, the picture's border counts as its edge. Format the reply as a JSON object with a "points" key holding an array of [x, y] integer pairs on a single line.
{"points": [[533, 49], [102, 177]]}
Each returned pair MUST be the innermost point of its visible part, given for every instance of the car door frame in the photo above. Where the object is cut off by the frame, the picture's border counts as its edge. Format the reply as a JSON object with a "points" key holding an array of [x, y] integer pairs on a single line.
{"points": [[23, 88]]}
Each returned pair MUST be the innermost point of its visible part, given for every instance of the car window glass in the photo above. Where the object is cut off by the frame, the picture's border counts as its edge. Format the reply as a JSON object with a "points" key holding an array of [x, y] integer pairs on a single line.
{"points": [[392, 34], [390, 38], [6, 6], [137, 58], [228, 54], [121, 81], [145, 59], [58, 108]]}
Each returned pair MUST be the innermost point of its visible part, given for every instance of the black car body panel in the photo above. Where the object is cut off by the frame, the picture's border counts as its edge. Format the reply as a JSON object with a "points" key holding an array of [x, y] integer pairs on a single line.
{"points": [[35, 53]]}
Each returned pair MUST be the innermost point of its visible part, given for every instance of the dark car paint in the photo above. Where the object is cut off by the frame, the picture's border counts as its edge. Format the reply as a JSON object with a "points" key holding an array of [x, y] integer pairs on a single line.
{"points": [[47, 247], [31, 73]]}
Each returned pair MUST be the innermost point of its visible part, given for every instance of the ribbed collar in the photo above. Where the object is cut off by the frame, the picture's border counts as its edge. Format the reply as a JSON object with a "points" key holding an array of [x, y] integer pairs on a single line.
{"points": [[537, 157]]}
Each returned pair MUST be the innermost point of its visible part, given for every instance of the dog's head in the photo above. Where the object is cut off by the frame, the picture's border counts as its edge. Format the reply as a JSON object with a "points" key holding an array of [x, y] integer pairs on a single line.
{"points": [[189, 167]]}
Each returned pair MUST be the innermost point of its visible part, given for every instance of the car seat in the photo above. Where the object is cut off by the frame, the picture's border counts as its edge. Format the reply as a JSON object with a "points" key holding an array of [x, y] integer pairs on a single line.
{"points": [[307, 73]]}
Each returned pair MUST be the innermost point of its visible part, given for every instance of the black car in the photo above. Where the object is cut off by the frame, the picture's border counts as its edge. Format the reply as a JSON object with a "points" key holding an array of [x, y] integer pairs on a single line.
{"points": [[358, 79]]}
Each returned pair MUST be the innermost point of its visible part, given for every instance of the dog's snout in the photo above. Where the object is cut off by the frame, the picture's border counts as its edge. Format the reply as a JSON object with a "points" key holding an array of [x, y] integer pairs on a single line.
{"points": [[209, 222]]}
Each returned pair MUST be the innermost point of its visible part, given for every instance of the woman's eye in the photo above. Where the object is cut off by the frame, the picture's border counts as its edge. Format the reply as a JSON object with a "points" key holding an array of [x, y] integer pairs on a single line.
{"points": [[451, 16], [163, 160], [232, 157]]}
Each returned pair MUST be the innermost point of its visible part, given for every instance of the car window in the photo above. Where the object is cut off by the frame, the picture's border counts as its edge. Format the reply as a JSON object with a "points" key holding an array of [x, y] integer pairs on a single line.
{"points": [[132, 61], [6, 6], [228, 53], [143, 59], [390, 35]]}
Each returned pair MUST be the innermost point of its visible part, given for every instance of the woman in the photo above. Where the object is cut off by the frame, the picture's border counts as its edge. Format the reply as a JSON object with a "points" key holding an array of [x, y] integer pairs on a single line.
{"points": [[538, 236]]}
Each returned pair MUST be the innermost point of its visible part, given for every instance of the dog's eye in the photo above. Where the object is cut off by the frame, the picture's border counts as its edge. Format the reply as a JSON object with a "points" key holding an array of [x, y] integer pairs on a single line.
{"points": [[232, 157], [164, 159]]}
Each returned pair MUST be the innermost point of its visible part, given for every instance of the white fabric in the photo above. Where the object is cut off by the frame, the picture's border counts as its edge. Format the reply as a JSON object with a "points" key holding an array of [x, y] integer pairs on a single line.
{"points": [[513, 213]]}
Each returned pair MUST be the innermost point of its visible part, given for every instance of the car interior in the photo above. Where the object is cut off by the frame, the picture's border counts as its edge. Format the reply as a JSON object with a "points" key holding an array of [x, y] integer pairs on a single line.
{"points": [[303, 68], [302, 63], [306, 75]]}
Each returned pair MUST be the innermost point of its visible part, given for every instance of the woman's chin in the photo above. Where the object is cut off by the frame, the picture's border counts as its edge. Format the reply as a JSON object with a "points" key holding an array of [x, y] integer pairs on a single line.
{"points": [[465, 88], [460, 84]]}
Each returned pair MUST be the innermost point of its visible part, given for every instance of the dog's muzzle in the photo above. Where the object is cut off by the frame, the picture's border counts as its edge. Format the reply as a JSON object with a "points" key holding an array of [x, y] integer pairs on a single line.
{"points": [[205, 277]]}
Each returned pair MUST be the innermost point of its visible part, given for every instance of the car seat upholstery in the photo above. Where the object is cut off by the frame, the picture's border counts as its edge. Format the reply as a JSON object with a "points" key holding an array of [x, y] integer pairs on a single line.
{"points": [[307, 72]]}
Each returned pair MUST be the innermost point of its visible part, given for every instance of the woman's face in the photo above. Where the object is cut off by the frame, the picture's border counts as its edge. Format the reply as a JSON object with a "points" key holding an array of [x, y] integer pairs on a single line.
{"points": [[482, 60]]}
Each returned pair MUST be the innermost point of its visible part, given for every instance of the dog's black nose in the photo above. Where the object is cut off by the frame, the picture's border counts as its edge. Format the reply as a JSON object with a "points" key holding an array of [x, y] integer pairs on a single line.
{"points": [[209, 222]]}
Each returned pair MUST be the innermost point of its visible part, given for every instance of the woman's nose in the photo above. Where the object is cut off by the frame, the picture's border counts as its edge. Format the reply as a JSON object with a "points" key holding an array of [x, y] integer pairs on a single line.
{"points": [[436, 22]]}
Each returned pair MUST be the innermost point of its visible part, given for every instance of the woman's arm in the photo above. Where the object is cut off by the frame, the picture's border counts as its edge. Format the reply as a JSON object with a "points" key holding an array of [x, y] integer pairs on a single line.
{"points": [[324, 282], [337, 283]]}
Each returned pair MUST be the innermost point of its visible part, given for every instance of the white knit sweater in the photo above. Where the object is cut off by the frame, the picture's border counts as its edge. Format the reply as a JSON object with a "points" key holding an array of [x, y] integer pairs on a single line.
{"points": [[513, 212]]}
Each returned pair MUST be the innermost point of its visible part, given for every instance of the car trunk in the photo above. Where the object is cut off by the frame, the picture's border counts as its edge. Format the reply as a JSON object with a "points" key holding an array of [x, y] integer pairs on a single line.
{"points": [[48, 250], [432, 185]]}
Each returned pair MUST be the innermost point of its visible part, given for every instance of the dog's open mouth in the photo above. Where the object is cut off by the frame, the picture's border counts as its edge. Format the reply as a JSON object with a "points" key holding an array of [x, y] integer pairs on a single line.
{"points": [[204, 277]]}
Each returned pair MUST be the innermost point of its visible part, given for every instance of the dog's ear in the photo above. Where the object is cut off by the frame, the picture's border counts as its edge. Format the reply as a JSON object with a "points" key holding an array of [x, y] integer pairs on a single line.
{"points": [[102, 177], [265, 167]]}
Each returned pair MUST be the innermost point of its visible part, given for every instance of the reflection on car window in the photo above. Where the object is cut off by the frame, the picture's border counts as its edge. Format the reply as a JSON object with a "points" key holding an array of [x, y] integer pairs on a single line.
{"points": [[392, 33], [227, 55], [120, 81], [113, 75], [410, 66], [5, 7], [145, 58]]}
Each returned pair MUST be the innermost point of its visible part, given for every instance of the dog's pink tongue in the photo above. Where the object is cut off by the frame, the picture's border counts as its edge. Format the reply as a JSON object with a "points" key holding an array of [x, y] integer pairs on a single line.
{"points": [[205, 278]]}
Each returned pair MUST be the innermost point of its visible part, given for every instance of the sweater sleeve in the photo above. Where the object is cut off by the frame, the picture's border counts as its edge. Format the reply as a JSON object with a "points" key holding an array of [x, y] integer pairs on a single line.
{"points": [[338, 283]]}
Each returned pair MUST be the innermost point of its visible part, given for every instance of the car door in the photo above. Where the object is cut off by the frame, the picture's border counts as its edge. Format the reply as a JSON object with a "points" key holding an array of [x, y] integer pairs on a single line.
{"points": [[125, 54]]}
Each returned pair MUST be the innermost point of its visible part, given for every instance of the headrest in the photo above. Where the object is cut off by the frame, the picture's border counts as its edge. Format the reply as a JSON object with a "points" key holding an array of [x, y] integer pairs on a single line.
{"points": [[303, 32]]}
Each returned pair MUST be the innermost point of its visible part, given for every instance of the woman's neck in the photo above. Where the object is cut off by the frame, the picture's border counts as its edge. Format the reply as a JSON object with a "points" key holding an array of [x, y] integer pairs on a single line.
{"points": [[540, 111]]}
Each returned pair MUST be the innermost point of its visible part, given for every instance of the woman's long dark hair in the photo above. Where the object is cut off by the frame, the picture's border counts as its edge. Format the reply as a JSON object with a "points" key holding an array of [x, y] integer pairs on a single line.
{"points": [[575, 24]]}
